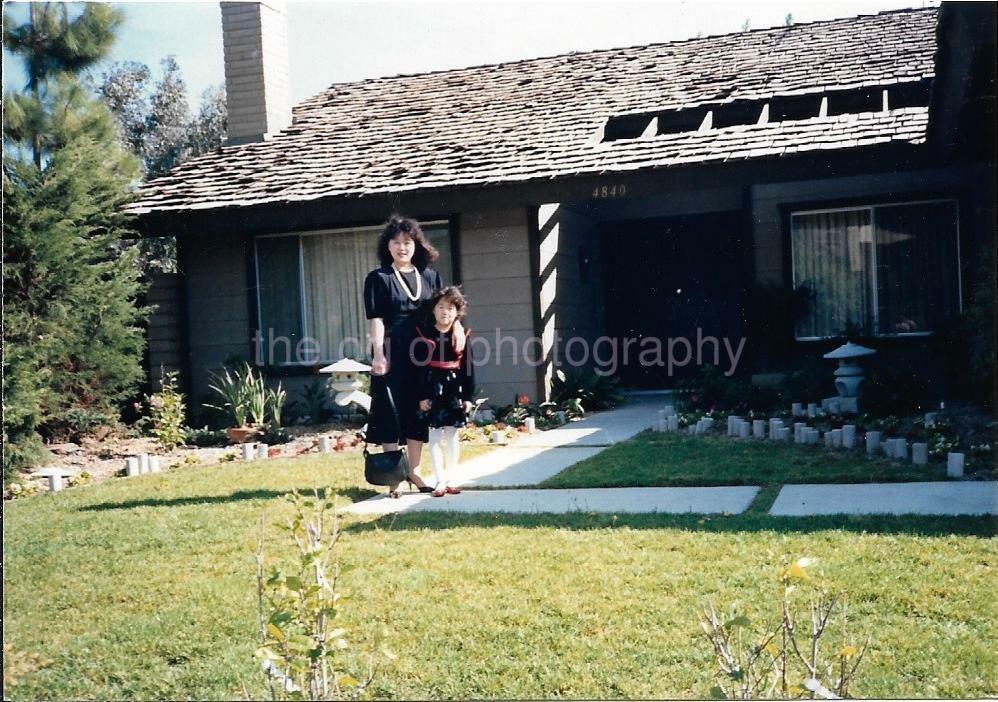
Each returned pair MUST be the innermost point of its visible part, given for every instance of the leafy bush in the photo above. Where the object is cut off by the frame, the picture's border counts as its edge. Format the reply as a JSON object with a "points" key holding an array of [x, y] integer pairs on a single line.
{"points": [[301, 608], [275, 401], [77, 422], [314, 401], [205, 437], [166, 413], [274, 435], [594, 392], [242, 394], [784, 661]]}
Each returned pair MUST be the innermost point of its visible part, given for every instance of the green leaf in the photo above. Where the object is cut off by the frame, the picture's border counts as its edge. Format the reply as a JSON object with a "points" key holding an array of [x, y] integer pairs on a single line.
{"points": [[280, 617], [716, 693], [275, 631], [345, 680], [740, 620]]}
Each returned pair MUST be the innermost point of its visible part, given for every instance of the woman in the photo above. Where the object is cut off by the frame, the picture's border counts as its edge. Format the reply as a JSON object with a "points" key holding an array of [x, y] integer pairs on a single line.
{"points": [[394, 295]]}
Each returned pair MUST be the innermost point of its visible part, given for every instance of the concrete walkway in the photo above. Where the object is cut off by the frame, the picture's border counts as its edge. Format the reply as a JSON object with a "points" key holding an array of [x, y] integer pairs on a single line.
{"points": [[942, 498], [696, 500], [530, 460]]}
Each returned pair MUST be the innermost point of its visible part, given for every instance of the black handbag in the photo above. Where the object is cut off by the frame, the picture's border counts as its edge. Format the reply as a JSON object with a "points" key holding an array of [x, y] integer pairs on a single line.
{"points": [[388, 467]]}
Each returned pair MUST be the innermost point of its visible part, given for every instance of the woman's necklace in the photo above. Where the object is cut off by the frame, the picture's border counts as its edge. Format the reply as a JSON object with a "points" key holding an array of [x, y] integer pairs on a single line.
{"points": [[405, 286]]}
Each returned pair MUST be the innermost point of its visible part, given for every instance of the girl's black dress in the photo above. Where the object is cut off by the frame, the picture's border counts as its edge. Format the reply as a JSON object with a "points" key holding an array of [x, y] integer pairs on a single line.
{"points": [[447, 378], [384, 298]]}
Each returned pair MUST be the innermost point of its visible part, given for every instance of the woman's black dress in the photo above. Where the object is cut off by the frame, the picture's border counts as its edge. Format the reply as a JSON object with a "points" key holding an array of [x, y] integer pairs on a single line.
{"points": [[384, 298]]}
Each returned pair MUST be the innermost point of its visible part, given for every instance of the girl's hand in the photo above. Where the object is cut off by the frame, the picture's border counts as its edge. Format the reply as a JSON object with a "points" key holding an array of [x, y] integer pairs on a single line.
{"points": [[458, 336], [425, 405], [379, 366]]}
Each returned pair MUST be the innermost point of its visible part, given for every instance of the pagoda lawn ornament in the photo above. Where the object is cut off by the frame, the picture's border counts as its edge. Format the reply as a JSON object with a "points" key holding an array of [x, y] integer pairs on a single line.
{"points": [[346, 382], [848, 377]]}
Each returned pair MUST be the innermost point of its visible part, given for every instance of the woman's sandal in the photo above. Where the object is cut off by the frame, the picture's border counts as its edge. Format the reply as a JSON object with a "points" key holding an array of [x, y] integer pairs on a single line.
{"points": [[394, 494], [421, 488]]}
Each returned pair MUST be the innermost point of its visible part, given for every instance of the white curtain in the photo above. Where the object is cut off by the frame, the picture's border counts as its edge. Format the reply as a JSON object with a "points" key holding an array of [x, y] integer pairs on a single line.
{"points": [[833, 262], [335, 266]]}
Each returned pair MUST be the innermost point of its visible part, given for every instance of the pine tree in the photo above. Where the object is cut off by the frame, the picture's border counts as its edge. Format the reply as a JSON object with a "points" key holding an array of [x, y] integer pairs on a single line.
{"points": [[56, 49], [71, 337]]}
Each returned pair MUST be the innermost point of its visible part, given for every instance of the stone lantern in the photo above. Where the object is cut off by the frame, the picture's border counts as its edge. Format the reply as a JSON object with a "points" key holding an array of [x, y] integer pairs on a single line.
{"points": [[346, 382], [848, 377]]}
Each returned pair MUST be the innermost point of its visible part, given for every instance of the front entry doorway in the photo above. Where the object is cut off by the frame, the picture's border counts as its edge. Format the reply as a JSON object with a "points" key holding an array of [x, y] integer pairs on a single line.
{"points": [[669, 277]]}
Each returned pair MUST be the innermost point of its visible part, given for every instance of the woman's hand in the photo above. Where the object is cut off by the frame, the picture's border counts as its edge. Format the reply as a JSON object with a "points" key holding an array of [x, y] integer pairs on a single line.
{"points": [[458, 336], [379, 364], [425, 405], [468, 406]]}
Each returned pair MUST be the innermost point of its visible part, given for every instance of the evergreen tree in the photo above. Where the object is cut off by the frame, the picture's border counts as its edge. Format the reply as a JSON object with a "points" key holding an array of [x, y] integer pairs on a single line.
{"points": [[71, 337], [56, 49]]}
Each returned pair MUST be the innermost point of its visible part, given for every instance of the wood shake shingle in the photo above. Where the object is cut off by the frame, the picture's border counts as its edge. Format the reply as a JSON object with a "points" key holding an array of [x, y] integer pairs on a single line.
{"points": [[544, 118]]}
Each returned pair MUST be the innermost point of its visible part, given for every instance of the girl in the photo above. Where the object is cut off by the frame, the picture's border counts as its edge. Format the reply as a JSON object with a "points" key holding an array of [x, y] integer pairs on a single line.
{"points": [[447, 382]]}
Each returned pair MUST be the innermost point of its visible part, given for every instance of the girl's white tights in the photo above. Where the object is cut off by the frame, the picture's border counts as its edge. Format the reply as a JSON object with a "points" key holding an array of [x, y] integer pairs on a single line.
{"points": [[444, 451]]}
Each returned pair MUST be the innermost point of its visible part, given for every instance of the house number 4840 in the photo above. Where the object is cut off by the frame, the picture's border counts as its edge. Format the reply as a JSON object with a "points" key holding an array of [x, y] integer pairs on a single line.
{"points": [[605, 192]]}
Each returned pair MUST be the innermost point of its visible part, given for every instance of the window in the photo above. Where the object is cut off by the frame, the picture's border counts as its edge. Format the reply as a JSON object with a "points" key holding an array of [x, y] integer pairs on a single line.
{"points": [[884, 270], [309, 292]]}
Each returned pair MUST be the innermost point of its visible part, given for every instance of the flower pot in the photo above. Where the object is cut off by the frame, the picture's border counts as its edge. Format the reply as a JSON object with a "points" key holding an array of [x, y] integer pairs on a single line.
{"points": [[238, 435]]}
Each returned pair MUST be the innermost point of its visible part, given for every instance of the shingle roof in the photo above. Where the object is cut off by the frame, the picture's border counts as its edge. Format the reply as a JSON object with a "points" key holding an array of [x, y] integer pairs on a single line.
{"points": [[544, 118]]}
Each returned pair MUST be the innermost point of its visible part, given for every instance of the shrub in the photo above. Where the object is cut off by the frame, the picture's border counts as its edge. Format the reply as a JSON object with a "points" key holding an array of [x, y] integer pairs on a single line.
{"points": [[314, 402], [205, 437], [241, 393], [783, 662], [275, 400], [166, 413], [77, 422], [300, 608], [594, 392]]}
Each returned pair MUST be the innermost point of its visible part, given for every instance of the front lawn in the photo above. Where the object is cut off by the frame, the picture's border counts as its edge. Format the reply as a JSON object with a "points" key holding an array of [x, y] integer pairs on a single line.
{"points": [[144, 588], [671, 460]]}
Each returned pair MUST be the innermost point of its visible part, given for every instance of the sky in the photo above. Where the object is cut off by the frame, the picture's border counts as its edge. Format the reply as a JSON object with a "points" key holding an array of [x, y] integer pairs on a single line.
{"points": [[339, 41]]}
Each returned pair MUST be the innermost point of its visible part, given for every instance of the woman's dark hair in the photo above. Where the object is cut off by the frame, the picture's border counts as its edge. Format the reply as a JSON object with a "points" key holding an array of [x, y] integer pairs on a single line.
{"points": [[451, 294], [397, 224]]}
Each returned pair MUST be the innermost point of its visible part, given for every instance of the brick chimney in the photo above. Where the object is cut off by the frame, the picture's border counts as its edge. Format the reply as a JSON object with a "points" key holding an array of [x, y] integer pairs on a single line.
{"points": [[255, 41]]}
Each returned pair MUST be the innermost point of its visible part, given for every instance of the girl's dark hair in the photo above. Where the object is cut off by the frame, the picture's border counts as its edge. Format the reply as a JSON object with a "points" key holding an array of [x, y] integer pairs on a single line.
{"points": [[397, 224], [451, 294]]}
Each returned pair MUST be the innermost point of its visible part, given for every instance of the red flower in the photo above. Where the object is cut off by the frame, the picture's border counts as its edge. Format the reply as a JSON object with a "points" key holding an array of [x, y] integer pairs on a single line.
{"points": [[522, 399]]}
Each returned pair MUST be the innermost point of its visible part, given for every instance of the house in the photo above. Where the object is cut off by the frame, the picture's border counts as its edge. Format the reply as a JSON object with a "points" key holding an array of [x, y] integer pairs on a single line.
{"points": [[780, 186]]}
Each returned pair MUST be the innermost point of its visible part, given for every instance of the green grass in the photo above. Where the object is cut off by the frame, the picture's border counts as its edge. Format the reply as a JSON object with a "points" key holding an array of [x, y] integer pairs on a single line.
{"points": [[667, 460], [144, 588]]}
